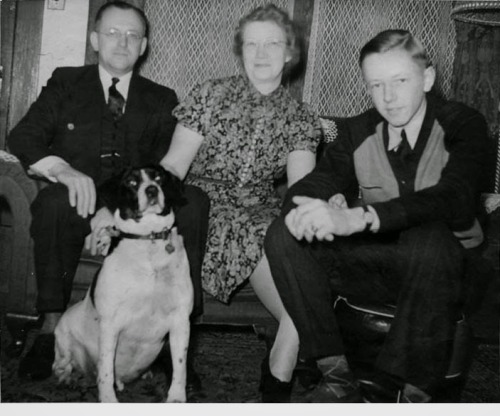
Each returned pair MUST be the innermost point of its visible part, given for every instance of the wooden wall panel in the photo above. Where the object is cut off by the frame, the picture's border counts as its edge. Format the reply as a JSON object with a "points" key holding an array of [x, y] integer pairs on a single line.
{"points": [[302, 15], [26, 58], [8, 15]]}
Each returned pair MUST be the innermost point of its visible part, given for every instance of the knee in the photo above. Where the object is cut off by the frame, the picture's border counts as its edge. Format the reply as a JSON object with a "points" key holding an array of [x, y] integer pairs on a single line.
{"points": [[53, 198], [435, 243]]}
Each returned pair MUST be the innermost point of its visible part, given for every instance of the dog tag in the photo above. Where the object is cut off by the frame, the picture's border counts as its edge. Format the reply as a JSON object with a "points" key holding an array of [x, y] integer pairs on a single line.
{"points": [[169, 248]]}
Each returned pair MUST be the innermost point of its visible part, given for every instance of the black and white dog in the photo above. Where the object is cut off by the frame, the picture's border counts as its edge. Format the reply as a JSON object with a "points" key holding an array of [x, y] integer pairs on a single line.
{"points": [[142, 292]]}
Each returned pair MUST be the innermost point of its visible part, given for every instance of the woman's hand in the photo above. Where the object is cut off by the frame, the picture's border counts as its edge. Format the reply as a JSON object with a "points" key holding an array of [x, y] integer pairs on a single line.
{"points": [[103, 228]]}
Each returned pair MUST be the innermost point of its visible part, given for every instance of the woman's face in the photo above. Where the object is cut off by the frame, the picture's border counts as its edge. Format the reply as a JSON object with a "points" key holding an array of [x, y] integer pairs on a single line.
{"points": [[265, 52]]}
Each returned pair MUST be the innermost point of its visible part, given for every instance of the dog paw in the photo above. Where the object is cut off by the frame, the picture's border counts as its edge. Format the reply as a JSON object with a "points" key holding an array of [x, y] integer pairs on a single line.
{"points": [[175, 400], [176, 395], [108, 398], [63, 372], [119, 385]]}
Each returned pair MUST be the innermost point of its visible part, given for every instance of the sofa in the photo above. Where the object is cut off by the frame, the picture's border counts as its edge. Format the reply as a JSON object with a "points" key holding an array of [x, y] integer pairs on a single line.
{"points": [[364, 326]]}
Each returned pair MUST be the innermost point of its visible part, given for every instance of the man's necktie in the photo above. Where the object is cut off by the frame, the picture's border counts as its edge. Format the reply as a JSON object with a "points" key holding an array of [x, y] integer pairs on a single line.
{"points": [[116, 101], [404, 148]]}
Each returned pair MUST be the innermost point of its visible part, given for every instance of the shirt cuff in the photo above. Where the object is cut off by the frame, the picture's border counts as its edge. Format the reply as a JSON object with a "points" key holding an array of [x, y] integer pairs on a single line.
{"points": [[44, 166]]}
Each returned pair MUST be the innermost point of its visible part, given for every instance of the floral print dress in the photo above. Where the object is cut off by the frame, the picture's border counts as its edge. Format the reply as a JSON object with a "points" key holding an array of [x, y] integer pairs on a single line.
{"points": [[247, 138]]}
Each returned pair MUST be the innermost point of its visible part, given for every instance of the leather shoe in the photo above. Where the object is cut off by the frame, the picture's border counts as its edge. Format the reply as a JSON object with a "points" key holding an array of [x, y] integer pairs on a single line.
{"points": [[16, 347], [273, 390], [336, 388], [307, 373], [37, 363], [374, 392]]}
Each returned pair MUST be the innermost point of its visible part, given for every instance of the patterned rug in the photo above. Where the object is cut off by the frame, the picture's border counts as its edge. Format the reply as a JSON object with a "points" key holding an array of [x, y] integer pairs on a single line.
{"points": [[228, 363]]}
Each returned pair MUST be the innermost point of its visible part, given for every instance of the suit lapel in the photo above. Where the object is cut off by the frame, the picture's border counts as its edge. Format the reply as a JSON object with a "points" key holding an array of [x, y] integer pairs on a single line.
{"points": [[89, 96], [138, 108]]}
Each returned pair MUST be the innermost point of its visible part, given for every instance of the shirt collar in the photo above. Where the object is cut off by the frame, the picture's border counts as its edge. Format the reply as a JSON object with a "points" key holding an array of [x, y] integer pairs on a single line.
{"points": [[122, 86], [412, 130]]}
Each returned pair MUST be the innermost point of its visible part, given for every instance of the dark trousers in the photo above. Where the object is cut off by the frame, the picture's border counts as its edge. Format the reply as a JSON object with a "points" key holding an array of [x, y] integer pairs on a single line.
{"points": [[419, 269], [59, 233]]}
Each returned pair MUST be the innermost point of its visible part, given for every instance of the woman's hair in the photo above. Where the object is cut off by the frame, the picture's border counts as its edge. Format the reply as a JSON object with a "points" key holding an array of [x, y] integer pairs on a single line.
{"points": [[271, 13], [123, 6], [396, 39]]}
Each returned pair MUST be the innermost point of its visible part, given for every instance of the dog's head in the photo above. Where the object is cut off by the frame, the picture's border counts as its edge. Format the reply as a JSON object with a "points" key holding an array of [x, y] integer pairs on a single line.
{"points": [[148, 192]]}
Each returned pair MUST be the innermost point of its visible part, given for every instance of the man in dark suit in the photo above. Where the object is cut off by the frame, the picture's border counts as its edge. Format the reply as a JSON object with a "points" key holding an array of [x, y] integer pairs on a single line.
{"points": [[87, 125]]}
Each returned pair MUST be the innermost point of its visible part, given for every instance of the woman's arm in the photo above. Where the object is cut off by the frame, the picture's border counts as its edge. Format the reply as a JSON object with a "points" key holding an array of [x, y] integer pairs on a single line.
{"points": [[185, 144], [299, 164]]}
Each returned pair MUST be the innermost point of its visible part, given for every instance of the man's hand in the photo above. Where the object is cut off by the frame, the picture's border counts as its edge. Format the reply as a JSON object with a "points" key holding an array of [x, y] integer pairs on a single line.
{"points": [[81, 188], [102, 225], [315, 218]]}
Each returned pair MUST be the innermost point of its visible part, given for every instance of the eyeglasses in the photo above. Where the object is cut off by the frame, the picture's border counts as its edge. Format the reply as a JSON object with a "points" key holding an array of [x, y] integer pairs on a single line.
{"points": [[115, 34], [270, 45]]}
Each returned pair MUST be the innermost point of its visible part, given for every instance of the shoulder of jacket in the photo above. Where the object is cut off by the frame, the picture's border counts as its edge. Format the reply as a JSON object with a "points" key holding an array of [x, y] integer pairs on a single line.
{"points": [[154, 88], [363, 124], [454, 114]]}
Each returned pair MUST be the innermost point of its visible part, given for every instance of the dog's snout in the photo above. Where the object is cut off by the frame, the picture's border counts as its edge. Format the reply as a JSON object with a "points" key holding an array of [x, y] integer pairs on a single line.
{"points": [[151, 191]]}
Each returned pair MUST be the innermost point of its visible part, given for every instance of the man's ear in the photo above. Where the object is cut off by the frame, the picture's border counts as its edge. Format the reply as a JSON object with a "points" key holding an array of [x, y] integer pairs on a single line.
{"points": [[144, 44], [94, 41], [429, 78]]}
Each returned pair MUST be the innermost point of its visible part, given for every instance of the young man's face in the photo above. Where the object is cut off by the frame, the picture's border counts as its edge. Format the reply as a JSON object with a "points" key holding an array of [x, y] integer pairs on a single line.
{"points": [[119, 52], [397, 84]]}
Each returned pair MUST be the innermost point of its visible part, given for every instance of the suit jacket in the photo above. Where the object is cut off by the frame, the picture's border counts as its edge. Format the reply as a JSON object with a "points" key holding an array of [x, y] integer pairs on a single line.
{"points": [[66, 118]]}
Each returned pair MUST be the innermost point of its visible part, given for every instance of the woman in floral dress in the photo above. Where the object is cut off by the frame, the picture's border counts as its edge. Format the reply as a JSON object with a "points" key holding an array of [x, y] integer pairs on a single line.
{"points": [[234, 137]]}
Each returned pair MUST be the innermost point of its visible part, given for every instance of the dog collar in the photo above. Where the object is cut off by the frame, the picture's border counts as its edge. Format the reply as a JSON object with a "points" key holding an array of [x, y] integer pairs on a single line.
{"points": [[162, 235]]}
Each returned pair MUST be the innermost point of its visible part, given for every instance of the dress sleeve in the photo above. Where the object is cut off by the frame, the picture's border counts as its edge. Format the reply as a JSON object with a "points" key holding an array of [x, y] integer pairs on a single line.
{"points": [[194, 111], [305, 131]]}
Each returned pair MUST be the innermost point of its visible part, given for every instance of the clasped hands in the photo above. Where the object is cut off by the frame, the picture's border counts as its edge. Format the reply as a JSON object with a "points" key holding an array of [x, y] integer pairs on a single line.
{"points": [[82, 196], [323, 220]]}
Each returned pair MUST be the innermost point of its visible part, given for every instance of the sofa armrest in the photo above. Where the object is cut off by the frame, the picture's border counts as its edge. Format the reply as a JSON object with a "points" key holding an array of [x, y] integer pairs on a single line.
{"points": [[17, 192]]}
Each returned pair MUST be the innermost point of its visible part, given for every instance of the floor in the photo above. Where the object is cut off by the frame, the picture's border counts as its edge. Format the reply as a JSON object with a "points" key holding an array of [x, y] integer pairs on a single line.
{"points": [[228, 362]]}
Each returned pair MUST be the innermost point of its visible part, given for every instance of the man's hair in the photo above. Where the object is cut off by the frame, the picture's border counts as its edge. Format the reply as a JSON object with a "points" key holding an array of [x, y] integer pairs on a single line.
{"points": [[123, 6], [396, 39], [271, 13]]}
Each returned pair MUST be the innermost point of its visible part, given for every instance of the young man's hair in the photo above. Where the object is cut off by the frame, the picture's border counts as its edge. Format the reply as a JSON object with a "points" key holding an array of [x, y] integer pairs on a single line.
{"points": [[123, 6], [396, 39]]}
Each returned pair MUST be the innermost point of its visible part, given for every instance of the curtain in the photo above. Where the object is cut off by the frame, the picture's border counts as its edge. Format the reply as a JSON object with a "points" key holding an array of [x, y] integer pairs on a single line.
{"points": [[476, 70]]}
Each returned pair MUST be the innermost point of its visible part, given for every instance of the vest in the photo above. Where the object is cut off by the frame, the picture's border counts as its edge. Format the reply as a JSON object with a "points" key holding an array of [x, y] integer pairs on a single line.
{"points": [[112, 146], [378, 182]]}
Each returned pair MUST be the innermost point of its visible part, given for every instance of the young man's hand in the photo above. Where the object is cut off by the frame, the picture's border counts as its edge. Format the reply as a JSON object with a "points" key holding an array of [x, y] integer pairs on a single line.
{"points": [[315, 218]]}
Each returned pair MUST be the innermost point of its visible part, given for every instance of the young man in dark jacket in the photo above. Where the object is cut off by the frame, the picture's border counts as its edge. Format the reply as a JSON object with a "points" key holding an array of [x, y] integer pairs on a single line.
{"points": [[418, 163]]}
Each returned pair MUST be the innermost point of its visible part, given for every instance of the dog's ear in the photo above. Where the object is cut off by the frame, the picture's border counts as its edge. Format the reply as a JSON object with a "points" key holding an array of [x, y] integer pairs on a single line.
{"points": [[127, 199], [173, 189], [109, 194]]}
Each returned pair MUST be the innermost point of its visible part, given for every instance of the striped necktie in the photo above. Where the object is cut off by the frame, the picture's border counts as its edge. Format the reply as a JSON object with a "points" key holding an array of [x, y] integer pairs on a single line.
{"points": [[116, 102]]}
